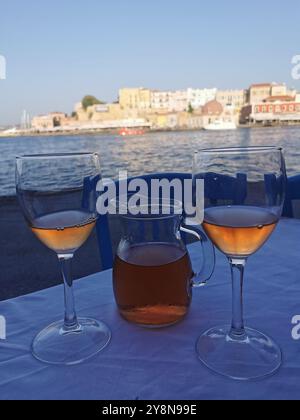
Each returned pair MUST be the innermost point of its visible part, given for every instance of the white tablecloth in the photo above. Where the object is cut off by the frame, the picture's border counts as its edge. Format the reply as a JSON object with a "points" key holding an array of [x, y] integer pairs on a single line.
{"points": [[145, 364]]}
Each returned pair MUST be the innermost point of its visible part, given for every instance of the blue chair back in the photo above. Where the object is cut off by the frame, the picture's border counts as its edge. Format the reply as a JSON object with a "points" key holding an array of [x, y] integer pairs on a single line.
{"points": [[224, 187], [293, 193]]}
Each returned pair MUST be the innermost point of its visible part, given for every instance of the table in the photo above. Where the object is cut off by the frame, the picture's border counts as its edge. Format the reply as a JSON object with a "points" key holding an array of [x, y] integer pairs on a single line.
{"points": [[143, 364]]}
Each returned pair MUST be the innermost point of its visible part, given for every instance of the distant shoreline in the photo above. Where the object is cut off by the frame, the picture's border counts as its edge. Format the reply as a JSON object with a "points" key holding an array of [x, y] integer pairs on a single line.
{"points": [[115, 132]]}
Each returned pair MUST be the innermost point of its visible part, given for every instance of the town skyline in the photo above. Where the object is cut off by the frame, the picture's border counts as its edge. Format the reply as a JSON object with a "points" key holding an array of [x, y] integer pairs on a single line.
{"points": [[146, 109], [115, 98]]}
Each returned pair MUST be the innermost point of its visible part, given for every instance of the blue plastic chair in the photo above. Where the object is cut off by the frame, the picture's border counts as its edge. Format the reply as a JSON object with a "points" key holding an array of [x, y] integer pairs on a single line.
{"points": [[293, 193], [224, 187]]}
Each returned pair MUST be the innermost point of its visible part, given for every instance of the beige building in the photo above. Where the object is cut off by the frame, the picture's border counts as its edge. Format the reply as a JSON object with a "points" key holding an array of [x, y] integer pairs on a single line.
{"points": [[259, 92], [42, 122], [50, 121], [279, 90], [109, 113], [135, 98], [232, 98], [82, 115]]}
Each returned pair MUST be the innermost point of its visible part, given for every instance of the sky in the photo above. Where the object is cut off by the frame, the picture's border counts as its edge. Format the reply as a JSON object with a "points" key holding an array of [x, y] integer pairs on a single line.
{"points": [[57, 51]]}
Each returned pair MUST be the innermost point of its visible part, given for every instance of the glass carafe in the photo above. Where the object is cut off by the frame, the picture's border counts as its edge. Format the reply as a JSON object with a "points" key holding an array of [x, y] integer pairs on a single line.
{"points": [[153, 276]]}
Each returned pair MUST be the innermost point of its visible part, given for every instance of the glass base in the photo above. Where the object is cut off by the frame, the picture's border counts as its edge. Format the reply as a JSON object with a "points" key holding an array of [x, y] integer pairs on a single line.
{"points": [[251, 357], [54, 345]]}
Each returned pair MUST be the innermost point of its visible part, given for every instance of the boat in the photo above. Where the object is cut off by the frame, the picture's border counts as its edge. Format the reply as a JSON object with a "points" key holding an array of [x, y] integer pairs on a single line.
{"points": [[221, 125], [131, 132]]}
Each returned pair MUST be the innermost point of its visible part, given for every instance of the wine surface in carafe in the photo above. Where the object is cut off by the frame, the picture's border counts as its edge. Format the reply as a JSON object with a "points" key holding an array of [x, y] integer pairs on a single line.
{"points": [[152, 284]]}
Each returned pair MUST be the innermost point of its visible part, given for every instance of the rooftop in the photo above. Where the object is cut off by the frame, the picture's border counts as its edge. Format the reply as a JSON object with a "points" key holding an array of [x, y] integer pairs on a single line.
{"points": [[261, 85], [212, 108]]}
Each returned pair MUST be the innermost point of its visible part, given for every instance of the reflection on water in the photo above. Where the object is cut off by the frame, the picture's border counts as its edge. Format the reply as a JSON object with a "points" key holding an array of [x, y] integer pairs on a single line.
{"points": [[154, 152]]}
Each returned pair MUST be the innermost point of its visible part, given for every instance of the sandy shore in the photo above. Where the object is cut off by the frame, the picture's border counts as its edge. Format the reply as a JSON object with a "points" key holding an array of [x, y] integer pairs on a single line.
{"points": [[25, 264]]}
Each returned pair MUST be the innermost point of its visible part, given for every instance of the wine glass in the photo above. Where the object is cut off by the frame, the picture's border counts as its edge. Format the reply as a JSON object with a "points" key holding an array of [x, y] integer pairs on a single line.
{"points": [[244, 197], [57, 194]]}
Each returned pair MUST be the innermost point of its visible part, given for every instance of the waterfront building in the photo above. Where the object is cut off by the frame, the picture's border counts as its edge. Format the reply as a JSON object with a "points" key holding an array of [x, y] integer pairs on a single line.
{"points": [[179, 101], [279, 90], [161, 100], [42, 122], [197, 98], [51, 121], [135, 98], [259, 92], [211, 112], [275, 109], [98, 113], [168, 101], [59, 118], [232, 98]]}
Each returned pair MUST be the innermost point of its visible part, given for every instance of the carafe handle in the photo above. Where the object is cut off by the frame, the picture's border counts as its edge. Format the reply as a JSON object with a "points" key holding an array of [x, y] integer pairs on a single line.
{"points": [[208, 253]]}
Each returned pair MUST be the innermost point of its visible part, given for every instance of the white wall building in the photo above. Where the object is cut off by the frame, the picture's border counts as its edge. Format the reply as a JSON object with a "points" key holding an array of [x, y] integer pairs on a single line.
{"points": [[169, 101], [160, 100], [199, 97], [179, 101]]}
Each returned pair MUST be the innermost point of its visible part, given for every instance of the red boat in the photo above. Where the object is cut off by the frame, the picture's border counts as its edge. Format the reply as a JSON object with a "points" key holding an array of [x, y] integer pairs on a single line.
{"points": [[131, 132]]}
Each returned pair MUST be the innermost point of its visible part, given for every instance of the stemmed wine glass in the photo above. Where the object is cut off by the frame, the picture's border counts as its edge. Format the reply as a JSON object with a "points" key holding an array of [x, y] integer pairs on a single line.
{"points": [[244, 196], [57, 194]]}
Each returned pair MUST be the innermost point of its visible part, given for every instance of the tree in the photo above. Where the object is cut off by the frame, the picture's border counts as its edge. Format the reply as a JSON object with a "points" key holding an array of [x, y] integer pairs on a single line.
{"points": [[90, 100], [190, 109]]}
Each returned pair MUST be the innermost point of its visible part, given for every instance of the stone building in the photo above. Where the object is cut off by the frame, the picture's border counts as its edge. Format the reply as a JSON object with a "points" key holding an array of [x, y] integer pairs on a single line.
{"points": [[211, 112], [42, 122]]}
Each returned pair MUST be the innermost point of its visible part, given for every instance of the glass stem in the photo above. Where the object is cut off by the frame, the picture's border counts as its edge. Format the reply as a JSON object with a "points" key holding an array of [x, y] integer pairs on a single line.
{"points": [[71, 322], [237, 271]]}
